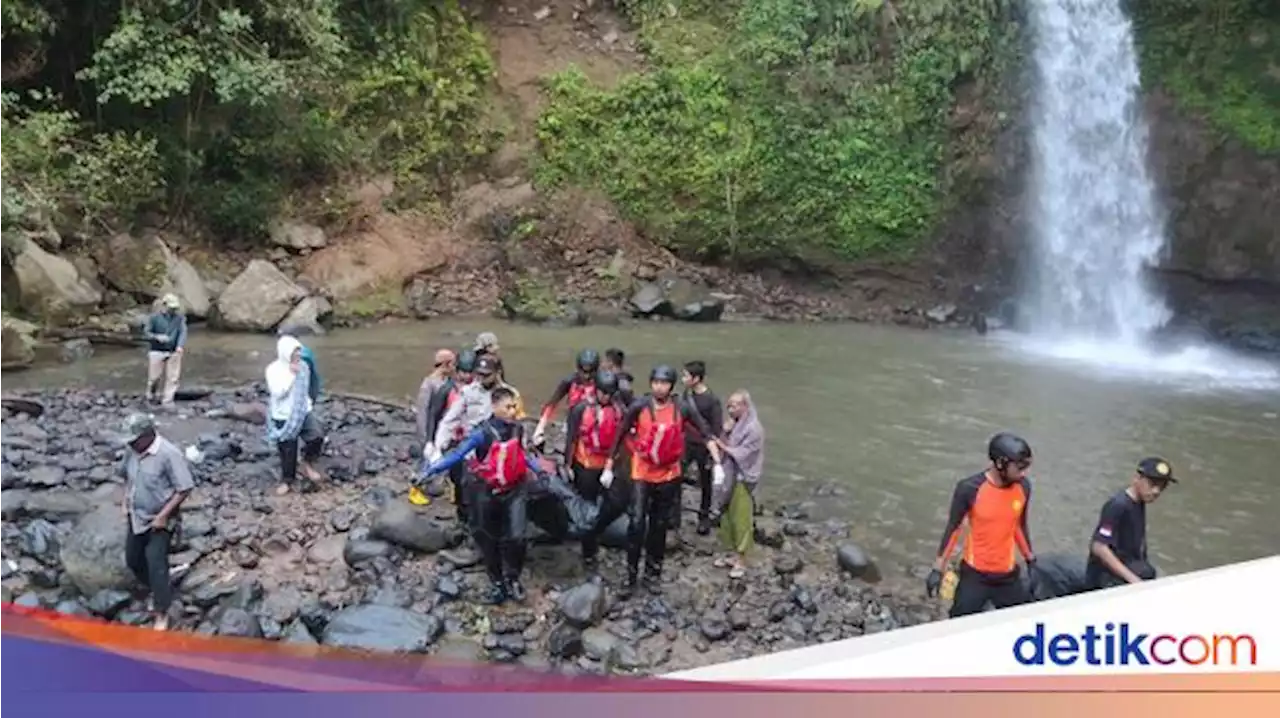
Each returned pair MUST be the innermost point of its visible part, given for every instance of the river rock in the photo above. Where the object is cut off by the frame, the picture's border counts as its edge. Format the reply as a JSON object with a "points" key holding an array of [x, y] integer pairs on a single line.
{"points": [[75, 350], [853, 560], [308, 317], [715, 625], [109, 602], [53, 505], [258, 299], [239, 623], [382, 628], [51, 287], [93, 554], [584, 605], [46, 476], [298, 634], [402, 524], [565, 641], [358, 550], [17, 343]]}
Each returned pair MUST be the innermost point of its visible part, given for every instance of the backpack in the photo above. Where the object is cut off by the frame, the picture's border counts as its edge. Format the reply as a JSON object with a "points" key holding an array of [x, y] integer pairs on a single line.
{"points": [[504, 465], [662, 443], [599, 429], [578, 392]]}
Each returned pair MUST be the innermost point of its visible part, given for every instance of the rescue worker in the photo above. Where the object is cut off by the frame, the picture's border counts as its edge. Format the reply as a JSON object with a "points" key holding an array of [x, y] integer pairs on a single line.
{"points": [[497, 479], [473, 406], [657, 453], [576, 387], [1118, 550], [590, 432], [615, 361], [995, 503]]}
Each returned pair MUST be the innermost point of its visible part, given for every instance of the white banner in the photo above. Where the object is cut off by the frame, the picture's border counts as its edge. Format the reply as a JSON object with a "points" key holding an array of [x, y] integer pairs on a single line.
{"points": [[1221, 620]]}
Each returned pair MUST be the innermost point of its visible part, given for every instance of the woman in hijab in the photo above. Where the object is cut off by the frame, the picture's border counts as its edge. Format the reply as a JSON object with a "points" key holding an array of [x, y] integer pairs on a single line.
{"points": [[741, 461], [290, 420]]}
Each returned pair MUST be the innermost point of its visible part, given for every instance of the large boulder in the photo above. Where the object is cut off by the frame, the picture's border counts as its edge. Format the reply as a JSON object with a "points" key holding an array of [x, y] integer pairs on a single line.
{"points": [[258, 299], [146, 266], [51, 287], [93, 552], [309, 316], [17, 343], [402, 524], [671, 295], [382, 628]]}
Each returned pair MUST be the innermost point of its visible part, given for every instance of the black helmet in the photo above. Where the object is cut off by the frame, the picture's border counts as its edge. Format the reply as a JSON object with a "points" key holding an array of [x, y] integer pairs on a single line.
{"points": [[1005, 448], [606, 382], [589, 359], [466, 361], [663, 372]]}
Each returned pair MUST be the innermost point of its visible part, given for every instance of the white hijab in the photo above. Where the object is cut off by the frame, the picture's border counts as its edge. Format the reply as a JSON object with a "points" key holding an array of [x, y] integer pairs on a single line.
{"points": [[280, 378]]}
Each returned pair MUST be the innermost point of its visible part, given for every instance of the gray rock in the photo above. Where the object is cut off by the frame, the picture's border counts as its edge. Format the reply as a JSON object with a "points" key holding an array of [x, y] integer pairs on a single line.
{"points": [[109, 602], [852, 559], [46, 476], [382, 628], [238, 622], [93, 552], [598, 644], [715, 625], [584, 605], [53, 505], [258, 299], [356, 551], [297, 633], [565, 641], [402, 524]]}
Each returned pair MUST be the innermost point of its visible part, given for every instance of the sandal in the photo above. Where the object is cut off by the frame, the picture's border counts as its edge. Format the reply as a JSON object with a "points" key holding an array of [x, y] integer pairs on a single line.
{"points": [[722, 563]]}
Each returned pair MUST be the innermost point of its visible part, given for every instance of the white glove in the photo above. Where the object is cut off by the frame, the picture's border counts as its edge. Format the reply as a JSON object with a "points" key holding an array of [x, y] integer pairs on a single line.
{"points": [[717, 475], [431, 454], [539, 433], [606, 478]]}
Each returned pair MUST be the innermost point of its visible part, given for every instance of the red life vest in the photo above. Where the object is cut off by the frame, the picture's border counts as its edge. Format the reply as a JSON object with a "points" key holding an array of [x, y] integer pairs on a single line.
{"points": [[505, 465], [599, 429], [579, 392], [661, 442]]}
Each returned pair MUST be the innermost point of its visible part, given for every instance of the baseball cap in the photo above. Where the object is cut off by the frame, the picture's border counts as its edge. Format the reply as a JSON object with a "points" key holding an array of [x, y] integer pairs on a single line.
{"points": [[136, 425], [171, 301], [1156, 469], [486, 365]]}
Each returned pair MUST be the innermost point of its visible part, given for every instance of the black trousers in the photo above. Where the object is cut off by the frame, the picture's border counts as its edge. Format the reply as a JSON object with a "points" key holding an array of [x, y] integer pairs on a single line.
{"points": [[310, 438], [617, 501], [698, 462], [975, 588], [650, 517], [147, 555], [498, 525]]}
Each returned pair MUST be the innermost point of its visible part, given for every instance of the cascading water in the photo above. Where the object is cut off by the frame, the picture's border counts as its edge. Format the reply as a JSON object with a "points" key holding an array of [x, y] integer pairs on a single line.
{"points": [[1096, 221]]}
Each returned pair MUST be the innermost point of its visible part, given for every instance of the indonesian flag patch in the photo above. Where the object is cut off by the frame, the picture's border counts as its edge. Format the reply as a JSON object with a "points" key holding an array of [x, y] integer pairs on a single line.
{"points": [[1104, 531]]}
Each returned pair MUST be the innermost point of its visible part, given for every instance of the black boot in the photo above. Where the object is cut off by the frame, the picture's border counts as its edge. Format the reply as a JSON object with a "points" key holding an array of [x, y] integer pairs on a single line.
{"points": [[496, 594], [653, 580], [629, 586], [704, 525], [590, 566], [515, 590]]}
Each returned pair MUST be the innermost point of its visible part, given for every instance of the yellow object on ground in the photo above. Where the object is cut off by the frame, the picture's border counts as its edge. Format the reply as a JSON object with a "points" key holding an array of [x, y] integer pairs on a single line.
{"points": [[417, 498], [949, 581]]}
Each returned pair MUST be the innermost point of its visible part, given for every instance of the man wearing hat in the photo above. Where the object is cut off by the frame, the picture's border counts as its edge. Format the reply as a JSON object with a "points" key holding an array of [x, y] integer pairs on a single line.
{"points": [[487, 345], [157, 480], [1118, 550], [166, 335]]}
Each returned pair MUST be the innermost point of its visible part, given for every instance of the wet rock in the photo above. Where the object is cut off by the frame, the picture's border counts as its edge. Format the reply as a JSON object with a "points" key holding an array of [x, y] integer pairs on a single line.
{"points": [[297, 633], [205, 586], [853, 560], [787, 565], [584, 605], [715, 625], [239, 623], [448, 588], [93, 553], [358, 549], [598, 644], [72, 608], [40, 540], [391, 596], [402, 524], [768, 533], [308, 317], [75, 350], [565, 641], [382, 628], [109, 602], [342, 518], [942, 313], [17, 343]]}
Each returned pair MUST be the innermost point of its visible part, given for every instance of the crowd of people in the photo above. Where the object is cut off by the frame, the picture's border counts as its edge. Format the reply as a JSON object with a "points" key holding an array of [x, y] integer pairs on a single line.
{"points": [[631, 453]]}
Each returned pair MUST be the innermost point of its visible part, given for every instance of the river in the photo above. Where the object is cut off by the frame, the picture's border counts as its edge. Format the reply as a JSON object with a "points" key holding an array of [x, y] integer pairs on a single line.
{"points": [[892, 416]]}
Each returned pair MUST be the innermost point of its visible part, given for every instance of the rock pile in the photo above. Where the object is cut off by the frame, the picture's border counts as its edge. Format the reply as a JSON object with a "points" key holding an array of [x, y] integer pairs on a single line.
{"points": [[355, 565]]}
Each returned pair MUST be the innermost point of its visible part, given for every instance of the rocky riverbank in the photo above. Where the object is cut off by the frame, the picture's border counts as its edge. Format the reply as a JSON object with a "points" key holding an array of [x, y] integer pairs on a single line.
{"points": [[355, 565]]}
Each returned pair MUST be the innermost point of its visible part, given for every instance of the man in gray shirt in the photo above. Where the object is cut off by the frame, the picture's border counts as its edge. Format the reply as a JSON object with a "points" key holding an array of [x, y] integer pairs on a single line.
{"points": [[157, 480], [166, 339]]}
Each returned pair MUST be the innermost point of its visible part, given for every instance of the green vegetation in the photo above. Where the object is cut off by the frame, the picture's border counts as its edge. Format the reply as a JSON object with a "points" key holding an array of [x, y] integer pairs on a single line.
{"points": [[797, 129], [1219, 57], [223, 111]]}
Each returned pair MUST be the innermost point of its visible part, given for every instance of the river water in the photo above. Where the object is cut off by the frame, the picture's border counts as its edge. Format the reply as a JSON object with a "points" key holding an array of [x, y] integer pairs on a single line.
{"points": [[894, 417]]}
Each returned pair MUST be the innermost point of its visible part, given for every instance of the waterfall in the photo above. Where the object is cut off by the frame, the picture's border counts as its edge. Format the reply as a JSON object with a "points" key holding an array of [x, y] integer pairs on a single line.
{"points": [[1096, 222]]}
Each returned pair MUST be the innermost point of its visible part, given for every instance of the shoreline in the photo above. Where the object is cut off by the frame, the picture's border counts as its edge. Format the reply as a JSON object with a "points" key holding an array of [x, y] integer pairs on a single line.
{"points": [[320, 568]]}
